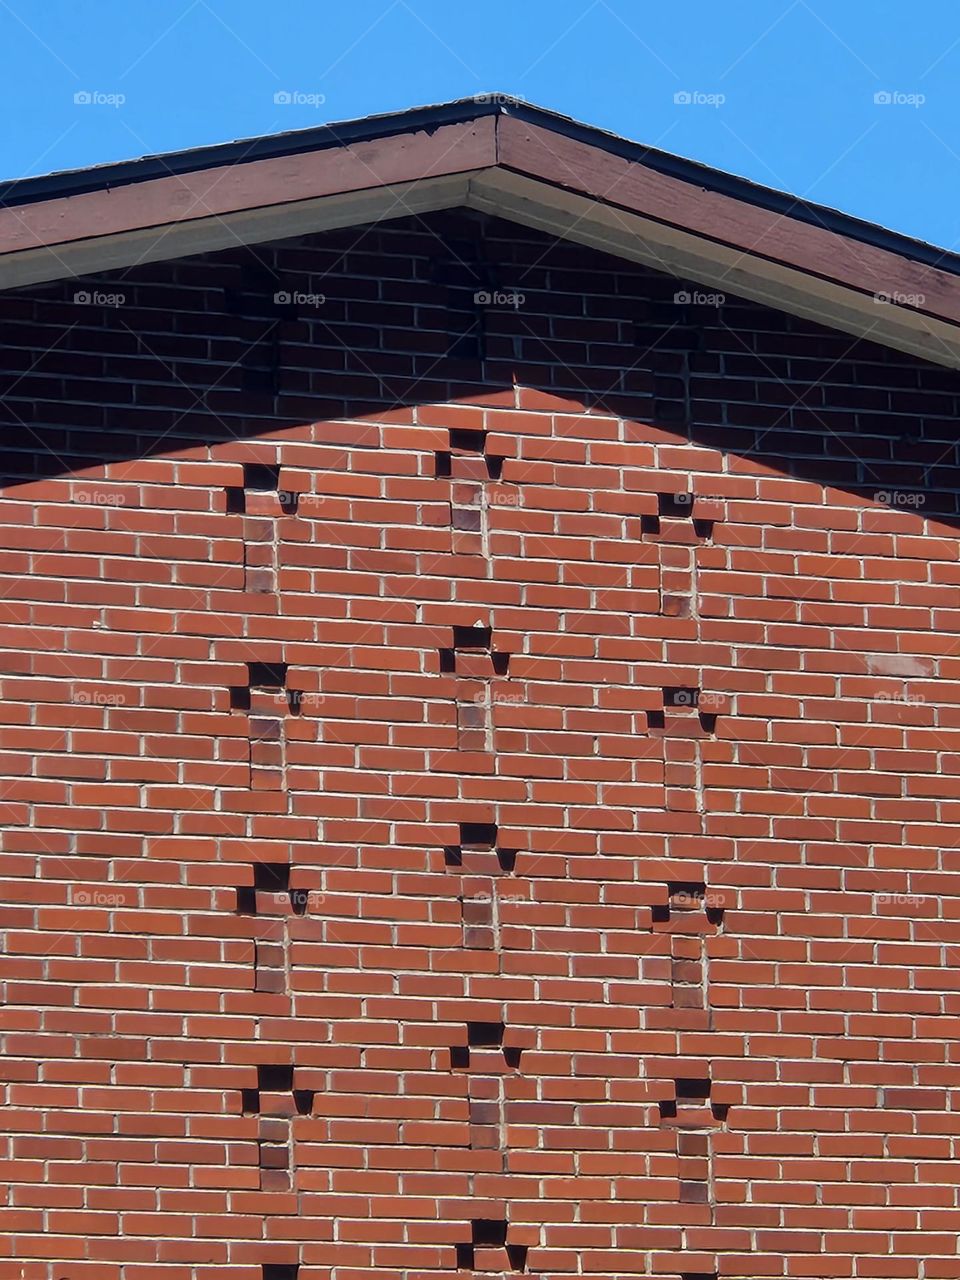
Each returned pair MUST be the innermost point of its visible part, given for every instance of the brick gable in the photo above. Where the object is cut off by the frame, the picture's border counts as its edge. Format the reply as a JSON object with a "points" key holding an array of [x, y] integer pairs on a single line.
{"points": [[478, 774]]}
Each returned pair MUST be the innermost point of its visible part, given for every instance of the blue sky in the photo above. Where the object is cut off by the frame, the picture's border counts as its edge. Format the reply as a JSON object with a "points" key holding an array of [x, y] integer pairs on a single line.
{"points": [[784, 91]]}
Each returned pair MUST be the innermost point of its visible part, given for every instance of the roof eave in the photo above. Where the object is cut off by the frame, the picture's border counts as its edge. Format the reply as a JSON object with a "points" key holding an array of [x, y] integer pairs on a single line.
{"points": [[510, 160], [71, 182]]}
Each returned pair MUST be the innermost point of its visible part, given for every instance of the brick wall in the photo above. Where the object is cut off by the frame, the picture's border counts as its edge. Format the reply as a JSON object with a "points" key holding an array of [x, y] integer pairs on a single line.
{"points": [[479, 779]]}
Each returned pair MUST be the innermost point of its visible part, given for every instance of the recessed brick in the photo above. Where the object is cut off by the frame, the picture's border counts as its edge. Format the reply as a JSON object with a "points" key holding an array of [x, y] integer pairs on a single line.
{"points": [[275, 1077], [280, 1270], [485, 1034], [677, 505]]}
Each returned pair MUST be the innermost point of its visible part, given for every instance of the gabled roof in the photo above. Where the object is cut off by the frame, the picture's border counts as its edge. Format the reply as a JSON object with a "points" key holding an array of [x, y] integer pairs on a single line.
{"points": [[506, 158]]}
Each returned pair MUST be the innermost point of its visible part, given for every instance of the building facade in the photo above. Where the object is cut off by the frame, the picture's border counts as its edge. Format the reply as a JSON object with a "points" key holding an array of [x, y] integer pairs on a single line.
{"points": [[479, 732]]}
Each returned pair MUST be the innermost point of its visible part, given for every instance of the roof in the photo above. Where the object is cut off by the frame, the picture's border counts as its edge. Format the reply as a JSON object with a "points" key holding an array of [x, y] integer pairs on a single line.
{"points": [[509, 158]]}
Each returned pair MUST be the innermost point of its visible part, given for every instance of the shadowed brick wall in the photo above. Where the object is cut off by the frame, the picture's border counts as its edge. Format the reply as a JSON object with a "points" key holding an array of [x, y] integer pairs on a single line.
{"points": [[480, 746]]}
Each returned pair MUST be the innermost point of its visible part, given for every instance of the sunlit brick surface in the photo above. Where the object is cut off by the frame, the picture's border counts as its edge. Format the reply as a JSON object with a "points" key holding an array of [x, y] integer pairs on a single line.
{"points": [[473, 813]]}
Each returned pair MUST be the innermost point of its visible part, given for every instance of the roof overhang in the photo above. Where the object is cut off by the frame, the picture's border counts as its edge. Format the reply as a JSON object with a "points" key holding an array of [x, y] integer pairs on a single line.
{"points": [[510, 160]]}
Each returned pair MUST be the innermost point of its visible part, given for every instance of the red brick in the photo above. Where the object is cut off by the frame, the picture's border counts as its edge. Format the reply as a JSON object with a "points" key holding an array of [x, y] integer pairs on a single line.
{"points": [[805, 981]]}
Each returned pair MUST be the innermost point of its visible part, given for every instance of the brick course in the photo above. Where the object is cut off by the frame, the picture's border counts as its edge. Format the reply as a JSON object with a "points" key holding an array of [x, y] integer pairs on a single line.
{"points": [[587, 699]]}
